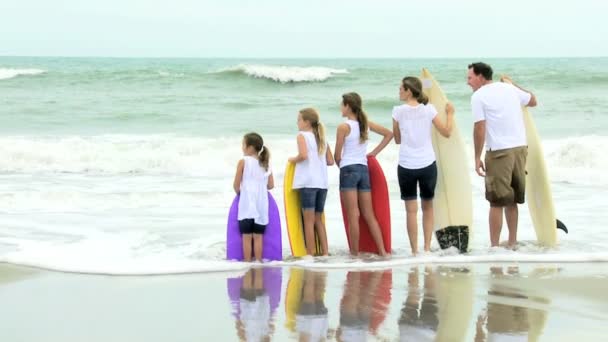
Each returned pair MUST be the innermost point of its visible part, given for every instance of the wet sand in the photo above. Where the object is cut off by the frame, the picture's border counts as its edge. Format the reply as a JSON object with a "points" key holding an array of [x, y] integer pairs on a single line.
{"points": [[475, 302]]}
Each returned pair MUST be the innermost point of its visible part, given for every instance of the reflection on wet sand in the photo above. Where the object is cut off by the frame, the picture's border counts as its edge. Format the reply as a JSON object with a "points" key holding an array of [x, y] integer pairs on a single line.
{"points": [[10, 273], [419, 321], [438, 305], [364, 305], [430, 303], [254, 298], [511, 313], [305, 308]]}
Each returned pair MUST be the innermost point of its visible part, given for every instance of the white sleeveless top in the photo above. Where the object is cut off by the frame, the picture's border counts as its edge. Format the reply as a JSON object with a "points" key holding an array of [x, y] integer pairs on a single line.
{"points": [[253, 203], [353, 151], [312, 172]]}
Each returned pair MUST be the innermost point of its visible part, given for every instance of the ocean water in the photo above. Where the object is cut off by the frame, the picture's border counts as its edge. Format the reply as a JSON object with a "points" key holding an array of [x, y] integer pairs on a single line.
{"points": [[125, 166]]}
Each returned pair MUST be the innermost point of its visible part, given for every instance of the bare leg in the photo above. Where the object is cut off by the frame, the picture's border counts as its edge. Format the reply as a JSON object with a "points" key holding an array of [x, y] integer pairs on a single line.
{"points": [[495, 225], [247, 241], [411, 210], [258, 279], [365, 203], [321, 233], [413, 293], [309, 230], [320, 279], [351, 296], [258, 240], [351, 203], [512, 215], [427, 223], [308, 287]]}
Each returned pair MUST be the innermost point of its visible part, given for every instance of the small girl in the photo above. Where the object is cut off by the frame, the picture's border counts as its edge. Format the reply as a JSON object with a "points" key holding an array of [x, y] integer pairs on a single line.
{"points": [[311, 176], [351, 156], [252, 181], [412, 124]]}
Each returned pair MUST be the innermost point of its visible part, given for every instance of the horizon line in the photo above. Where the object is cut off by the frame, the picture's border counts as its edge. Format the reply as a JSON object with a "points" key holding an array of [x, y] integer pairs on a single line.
{"points": [[295, 58]]}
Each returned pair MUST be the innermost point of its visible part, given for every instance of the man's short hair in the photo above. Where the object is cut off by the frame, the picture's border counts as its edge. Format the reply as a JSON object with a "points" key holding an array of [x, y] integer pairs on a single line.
{"points": [[482, 69]]}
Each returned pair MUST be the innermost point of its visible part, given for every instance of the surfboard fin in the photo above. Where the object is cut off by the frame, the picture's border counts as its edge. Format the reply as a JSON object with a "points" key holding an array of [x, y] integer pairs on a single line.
{"points": [[453, 236], [561, 225]]}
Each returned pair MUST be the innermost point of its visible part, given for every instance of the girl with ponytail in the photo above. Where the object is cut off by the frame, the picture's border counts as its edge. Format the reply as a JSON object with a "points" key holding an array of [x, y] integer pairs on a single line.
{"points": [[252, 181], [351, 156], [412, 125], [310, 176]]}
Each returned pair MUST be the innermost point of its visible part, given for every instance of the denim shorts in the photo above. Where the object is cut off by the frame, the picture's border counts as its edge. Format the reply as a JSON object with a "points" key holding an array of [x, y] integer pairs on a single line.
{"points": [[411, 179], [313, 198], [355, 177]]}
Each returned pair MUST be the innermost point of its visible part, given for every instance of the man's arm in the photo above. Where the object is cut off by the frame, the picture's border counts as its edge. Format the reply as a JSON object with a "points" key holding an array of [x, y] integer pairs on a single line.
{"points": [[479, 137], [507, 79]]}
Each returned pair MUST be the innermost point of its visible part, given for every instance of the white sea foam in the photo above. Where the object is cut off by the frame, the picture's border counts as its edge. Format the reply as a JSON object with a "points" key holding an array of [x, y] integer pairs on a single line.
{"points": [[578, 160], [118, 256], [285, 74], [573, 160], [6, 73], [158, 204]]}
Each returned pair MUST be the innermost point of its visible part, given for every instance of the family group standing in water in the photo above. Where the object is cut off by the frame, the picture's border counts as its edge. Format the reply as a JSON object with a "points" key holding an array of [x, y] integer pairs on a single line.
{"points": [[498, 125]]}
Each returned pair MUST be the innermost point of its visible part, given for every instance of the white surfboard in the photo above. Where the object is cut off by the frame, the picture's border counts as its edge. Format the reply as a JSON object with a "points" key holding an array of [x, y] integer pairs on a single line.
{"points": [[453, 202], [455, 297], [538, 187]]}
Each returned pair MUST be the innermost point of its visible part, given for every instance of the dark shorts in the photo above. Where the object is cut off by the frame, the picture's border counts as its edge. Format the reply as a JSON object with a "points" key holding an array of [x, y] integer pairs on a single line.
{"points": [[248, 226], [312, 309], [411, 179], [355, 177], [506, 176], [313, 198]]}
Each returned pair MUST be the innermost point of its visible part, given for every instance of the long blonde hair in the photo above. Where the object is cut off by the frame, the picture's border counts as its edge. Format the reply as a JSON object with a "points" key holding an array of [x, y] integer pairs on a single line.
{"points": [[354, 102], [312, 116]]}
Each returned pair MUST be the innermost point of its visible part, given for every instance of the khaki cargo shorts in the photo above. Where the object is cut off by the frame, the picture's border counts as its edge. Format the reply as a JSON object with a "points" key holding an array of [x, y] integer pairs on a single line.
{"points": [[506, 176]]}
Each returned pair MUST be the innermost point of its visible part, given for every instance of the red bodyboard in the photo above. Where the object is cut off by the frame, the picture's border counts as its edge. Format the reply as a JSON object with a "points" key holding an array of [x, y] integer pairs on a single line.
{"points": [[381, 205]]}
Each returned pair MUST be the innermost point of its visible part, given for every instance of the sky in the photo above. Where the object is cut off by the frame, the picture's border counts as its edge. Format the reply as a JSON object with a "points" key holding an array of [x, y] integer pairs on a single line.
{"points": [[304, 29]]}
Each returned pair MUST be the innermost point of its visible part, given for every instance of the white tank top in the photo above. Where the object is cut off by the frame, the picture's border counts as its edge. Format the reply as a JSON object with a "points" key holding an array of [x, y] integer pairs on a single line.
{"points": [[253, 203], [312, 172], [353, 151]]}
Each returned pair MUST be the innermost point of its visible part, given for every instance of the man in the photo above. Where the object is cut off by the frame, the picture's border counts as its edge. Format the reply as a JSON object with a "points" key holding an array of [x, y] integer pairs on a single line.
{"points": [[499, 124]]}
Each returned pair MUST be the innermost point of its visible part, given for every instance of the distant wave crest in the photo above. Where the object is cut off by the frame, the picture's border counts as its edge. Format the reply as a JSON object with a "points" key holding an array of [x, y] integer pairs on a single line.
{"points": [[286, 74], [6, 73]]}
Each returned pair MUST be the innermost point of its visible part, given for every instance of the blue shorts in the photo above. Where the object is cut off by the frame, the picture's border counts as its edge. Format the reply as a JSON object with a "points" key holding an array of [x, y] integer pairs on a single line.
{"points": [[355, 177], [411, 179], [313, 198]]}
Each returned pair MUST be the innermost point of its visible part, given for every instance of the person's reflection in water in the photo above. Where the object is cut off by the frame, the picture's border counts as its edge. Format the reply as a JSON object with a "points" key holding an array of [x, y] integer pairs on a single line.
{"points": [[360, 290], [311, 317], [254, 322], [505, 322], [419, 321]]}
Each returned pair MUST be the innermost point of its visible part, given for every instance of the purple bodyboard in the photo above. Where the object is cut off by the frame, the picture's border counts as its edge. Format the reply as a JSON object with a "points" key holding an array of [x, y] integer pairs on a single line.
{"points": [[273, 246], [272, 285]]}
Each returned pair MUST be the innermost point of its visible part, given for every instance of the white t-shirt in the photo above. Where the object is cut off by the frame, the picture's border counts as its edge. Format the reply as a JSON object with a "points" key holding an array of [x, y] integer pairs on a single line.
{"points": [[253, 202], [354, 333], [353, 152], [508, 337], [499, 104], [415, 123], [256, 317], [312, 172], [315, 326], [416, 333]]}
